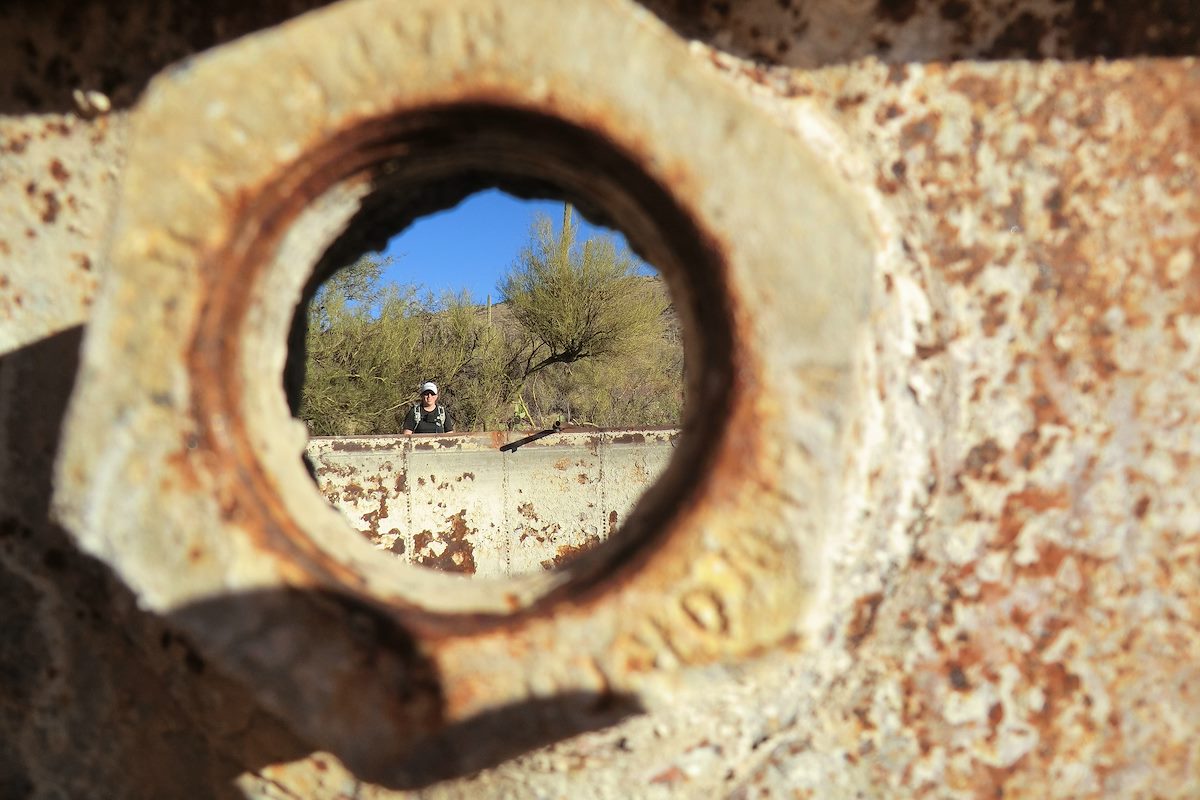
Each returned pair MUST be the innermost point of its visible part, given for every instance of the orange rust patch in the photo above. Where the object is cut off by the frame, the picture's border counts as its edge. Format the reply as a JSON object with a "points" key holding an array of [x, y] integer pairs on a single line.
{"points": [[1020, 506], [994, 314], [863, 622], [459, 553], [569, 552], [981, 456], [372, 518], [1140, 508], [670, 776], [52, 207]]}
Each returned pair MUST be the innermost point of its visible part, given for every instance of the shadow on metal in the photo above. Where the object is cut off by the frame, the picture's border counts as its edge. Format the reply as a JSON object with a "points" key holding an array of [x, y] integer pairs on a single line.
{"points": [[490, 739], [411, 697], [122, 651], [511, 447], [163, 34], [119, 663]]}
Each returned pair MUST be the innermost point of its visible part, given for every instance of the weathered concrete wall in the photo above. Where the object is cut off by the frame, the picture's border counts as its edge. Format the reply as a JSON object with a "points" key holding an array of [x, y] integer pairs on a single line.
{"points": [[1012, 603], [462, 504]]}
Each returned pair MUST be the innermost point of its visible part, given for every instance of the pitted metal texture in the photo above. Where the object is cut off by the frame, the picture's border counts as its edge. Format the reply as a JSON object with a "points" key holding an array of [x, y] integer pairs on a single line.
{"points": [[185, 475], [1011, 604]]}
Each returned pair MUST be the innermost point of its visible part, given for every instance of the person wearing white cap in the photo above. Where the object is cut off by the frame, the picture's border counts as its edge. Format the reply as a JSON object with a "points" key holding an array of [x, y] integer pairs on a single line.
{"points": [[428, 416]]}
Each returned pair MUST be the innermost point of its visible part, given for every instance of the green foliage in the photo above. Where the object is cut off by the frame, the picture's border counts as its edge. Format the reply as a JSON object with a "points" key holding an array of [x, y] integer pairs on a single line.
{"points": [[577, 301], [581, 338], [361, 342]]}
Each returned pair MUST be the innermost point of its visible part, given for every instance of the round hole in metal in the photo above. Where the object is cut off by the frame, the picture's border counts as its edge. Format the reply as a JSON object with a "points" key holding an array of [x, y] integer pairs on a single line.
{"points": [[342, 199], [558, 362]]}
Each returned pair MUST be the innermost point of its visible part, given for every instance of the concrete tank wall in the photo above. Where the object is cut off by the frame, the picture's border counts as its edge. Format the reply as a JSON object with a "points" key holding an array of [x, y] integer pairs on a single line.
{"points": [[460, 503]]}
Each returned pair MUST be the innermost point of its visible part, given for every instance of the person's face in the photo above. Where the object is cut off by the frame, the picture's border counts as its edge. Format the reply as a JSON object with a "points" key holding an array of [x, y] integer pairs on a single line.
{"points": [[429, 398]]}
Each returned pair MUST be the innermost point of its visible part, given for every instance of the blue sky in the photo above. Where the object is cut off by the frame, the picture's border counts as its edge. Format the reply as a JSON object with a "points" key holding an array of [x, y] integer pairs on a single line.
{"points": [[471, 245]]}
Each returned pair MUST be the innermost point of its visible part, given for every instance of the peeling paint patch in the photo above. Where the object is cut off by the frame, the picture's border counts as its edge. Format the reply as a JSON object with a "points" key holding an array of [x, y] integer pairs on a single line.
{"points": [[450, 551]]}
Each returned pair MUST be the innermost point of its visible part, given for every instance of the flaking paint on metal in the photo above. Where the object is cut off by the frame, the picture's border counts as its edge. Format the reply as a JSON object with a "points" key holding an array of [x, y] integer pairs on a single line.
{"points": [[563, 487]]}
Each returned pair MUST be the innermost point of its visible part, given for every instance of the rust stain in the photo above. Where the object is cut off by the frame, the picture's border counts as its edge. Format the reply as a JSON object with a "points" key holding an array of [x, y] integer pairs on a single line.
{"points": [[372, 518], [569, 552], [52, 207], [531, 533], [459, 553], [1020, 506], [863, 621], [670, 776], [980, 457]]}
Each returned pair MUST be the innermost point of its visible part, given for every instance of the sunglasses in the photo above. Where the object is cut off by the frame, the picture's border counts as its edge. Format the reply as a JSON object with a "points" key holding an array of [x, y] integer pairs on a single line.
{"points": [[428, 392]]}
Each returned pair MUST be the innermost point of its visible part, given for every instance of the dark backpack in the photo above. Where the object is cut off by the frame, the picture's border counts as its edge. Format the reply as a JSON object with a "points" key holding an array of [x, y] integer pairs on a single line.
{"points": [[441, 417]]}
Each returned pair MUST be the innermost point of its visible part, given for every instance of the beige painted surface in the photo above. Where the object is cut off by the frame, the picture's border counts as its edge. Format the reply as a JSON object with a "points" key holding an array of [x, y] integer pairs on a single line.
{"points": [[461, 504]]}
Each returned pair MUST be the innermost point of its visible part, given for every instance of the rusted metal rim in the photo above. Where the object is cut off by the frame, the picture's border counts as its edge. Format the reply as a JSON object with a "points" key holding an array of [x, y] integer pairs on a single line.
{"points": [[181, 469], [474, 144]]}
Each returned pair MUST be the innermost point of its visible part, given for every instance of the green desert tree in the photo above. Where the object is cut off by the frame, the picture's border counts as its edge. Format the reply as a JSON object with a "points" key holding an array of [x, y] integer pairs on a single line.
{"points": [[574, 301], [360, 342], [580, 335], [371, 344]]}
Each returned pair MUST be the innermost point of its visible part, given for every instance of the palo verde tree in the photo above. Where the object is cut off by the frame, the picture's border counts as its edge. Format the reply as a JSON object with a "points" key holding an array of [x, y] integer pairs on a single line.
{"points": [[573, 301]]}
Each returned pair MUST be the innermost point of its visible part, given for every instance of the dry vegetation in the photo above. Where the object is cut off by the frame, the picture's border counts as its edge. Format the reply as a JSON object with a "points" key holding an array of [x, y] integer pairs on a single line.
{"points": [[579, 337]]}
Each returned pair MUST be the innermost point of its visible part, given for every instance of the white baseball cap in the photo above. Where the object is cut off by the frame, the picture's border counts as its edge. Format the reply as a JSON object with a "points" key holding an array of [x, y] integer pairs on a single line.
{"points": [[429, 386]]}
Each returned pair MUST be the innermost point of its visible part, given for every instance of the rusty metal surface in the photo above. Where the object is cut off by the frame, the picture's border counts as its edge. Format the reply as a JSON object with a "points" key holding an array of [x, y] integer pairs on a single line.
{"points": [[67, 78], [57, 179], [1011, 564], [461, 504], [811, 35], [185, 475], [1039, 635]]}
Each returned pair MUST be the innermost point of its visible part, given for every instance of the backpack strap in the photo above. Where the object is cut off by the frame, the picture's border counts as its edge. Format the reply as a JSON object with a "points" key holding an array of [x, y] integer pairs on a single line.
{"points": [[441, 417]]}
